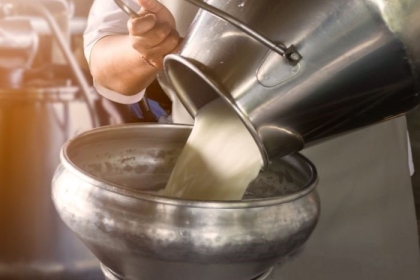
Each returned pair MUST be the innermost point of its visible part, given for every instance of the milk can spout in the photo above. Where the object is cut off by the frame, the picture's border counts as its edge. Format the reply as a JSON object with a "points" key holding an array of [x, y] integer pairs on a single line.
{"points": [[187, 76]]}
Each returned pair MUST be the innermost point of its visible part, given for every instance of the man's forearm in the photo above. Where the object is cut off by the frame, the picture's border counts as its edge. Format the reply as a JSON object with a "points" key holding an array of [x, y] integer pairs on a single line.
{"points": [[117, 66]]}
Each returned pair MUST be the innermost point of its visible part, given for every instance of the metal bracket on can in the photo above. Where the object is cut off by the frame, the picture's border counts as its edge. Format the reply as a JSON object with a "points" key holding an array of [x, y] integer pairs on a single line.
{"points": [[292, 56]]}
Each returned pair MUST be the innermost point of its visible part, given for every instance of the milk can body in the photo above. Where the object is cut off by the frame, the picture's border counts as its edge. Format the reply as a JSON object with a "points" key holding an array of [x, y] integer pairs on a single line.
{"points": [[359, 66]]}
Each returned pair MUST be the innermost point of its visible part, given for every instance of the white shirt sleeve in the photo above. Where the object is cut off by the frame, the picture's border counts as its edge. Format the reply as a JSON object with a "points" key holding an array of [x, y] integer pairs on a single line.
{"points": [[105, 18], [117, 97]]}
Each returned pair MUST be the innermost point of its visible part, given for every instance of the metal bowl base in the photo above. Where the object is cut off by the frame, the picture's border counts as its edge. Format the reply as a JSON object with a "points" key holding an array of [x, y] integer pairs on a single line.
{"points": [[110, 275], [106, 193]]}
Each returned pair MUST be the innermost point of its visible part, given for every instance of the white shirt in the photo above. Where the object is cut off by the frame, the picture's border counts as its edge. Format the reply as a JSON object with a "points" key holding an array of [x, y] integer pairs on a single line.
{"points": [[367, 228], [106, 19]]}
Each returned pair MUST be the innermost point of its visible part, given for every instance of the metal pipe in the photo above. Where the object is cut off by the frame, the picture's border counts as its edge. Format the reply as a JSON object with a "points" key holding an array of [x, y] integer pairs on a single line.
{"points": [[40, 8]]}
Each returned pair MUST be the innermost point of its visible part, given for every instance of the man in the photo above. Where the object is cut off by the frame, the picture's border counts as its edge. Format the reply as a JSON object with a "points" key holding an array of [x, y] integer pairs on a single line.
{"points": [[124, 65], [367, 228]]}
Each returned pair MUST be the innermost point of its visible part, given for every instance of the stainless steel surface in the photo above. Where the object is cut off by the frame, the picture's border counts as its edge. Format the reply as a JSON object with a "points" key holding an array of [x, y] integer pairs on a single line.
{"points": [[360, 66], [290, 53], [61, 10], [110, 276], [18, 47], [265, 275], [105, 191], [40, 8], [34, 242], [18, 44]]}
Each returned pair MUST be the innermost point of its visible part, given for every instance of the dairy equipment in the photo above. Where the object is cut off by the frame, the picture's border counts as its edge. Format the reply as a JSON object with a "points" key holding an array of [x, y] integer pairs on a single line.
{"points": [[106, 191], [296, 72], [301, 71], [39, 111], [18, 48]]}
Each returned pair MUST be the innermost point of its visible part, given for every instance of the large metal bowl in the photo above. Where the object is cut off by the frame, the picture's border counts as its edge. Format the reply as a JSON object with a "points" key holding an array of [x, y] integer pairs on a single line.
{"points": [[106, 191]]}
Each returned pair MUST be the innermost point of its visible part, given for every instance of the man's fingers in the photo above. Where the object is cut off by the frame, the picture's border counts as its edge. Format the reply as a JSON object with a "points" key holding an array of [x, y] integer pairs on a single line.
{"points": [[178, 47], [154, 36], [169, 43], [152, 6], [141, 25], [155, 54], [150, 45]]}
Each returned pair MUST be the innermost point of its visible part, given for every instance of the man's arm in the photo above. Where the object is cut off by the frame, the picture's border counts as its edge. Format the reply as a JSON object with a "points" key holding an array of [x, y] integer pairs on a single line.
{"points": [[129, 63], [115, 65]]}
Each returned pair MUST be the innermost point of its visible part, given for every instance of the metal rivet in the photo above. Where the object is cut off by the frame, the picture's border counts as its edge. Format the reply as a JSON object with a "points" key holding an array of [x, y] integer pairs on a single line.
{"points": [[294, 56]]}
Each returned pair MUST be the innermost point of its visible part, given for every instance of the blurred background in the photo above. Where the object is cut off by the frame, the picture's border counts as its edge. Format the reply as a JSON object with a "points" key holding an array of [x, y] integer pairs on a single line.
{"points": [[413, 123], [46, 97]]}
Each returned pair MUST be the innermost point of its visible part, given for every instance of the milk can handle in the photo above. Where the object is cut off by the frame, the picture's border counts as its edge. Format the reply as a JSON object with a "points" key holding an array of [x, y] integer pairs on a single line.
{"points": [[290, 53]]}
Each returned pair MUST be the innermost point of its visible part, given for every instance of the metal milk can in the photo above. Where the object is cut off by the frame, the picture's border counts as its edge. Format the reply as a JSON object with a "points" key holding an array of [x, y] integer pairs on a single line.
{"points": [[300, 71]]}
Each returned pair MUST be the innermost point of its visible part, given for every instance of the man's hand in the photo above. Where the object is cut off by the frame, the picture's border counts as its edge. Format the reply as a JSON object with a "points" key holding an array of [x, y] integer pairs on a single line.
{"points": [[153, 34]]}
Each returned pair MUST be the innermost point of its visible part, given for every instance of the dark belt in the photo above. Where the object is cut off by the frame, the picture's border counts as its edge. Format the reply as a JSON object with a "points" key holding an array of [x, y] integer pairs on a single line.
{"points": [[155, 92]]}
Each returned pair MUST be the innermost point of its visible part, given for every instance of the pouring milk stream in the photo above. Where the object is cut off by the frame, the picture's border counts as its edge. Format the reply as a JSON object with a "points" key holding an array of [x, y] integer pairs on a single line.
{"points": [[219, 160]]}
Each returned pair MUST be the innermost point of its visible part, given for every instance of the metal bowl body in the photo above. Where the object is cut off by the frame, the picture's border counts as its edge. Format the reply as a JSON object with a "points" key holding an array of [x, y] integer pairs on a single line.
{"points": [[106, 191]]}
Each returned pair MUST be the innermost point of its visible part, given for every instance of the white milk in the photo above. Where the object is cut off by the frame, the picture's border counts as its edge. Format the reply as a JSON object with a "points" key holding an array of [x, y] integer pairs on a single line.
{"points": [[219, 160]]}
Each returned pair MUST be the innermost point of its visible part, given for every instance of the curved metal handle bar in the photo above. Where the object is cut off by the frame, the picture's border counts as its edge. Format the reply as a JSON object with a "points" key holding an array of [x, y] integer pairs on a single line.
{"points": [[290, 53]]}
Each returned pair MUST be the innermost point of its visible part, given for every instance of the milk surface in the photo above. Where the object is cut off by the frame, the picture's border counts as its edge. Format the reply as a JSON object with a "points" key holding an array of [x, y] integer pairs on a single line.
{"points": [[219, 160]]}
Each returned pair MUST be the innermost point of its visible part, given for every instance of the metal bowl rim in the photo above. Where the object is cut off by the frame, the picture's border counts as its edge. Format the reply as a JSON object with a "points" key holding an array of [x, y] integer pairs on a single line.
{"points": [[136, 194]]}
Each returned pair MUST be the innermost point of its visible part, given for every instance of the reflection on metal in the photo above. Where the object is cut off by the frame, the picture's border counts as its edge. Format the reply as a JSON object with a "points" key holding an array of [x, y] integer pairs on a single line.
{"points": [[35, 244], [107, 193], [18, 47], [360, 66], [18, 44], [273, 71], [39, 8], [35, 121], [265, 275], [290, 53], [83, 270]]}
